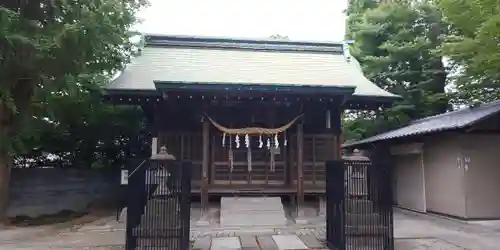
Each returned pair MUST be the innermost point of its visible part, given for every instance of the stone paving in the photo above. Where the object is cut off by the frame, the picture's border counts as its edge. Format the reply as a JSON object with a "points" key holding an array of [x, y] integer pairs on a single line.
{"points": [[412, 231], [263, 211]]}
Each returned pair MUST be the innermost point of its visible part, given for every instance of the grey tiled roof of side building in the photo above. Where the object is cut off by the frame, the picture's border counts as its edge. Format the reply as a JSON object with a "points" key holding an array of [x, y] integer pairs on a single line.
{"points": [[446, 121], [194, 60]]}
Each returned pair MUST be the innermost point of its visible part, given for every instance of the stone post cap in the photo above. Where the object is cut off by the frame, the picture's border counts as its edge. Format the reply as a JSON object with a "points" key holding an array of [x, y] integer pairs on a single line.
{"points": [[163, 155], [356, 155]]}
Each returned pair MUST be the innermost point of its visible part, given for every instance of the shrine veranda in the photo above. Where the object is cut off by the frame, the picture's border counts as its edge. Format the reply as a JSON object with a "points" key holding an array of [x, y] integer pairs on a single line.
{"points": [[208, 102]]}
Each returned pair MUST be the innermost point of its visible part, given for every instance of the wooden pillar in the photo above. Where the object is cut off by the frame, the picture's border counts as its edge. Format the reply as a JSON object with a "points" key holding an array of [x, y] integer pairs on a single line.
{"points": [[205, 163], [300, 159], [336, 130]]}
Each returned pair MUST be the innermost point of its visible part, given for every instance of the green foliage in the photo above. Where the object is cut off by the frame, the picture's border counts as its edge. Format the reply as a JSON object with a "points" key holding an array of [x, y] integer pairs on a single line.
{"points": [[473, 48], [54, 58], [396, 44]]}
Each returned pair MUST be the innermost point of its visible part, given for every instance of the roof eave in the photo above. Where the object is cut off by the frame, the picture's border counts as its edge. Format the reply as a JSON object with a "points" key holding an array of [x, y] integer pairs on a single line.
{"points": [[152, 39], [366, 141], [370, 101], [256, 88], [130, 92]]}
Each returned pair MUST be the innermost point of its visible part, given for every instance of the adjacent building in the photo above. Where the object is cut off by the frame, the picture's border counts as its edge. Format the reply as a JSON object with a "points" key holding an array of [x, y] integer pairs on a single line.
{"points": [[446, 164]]}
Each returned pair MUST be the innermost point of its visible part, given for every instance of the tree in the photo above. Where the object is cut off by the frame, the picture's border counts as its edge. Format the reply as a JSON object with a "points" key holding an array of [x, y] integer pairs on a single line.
{"points": [[51, 48], [395, 43], [82, 132], [473, 48]]}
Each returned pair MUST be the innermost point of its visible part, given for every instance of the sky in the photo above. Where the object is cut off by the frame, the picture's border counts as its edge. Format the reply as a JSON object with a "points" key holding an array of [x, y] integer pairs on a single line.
{"points": [[315, 20]]}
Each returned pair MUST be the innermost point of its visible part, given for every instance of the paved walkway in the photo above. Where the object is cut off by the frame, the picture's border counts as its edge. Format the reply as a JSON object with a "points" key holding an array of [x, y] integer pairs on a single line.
{"points": [[418, 231], [264, 242], [412, 231]]}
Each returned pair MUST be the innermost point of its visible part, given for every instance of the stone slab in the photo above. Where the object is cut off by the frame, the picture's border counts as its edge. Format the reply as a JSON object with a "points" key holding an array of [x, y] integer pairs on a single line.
{"points": [[311, 242], [249, 242], [253, 220], [267, 243], [202, 243], [254, 232], [301, 221], [226, 243], [202, 223], [289, 242], [252, 211]]}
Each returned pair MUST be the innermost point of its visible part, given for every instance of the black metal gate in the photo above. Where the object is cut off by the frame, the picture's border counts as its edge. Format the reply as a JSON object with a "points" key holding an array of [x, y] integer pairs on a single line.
{"points": [[158, 205], [359, 205]]}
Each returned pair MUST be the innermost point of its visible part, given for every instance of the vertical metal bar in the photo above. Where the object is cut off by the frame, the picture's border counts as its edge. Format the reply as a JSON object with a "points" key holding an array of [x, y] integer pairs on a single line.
{"points": [[335, 192], [185, 210]]}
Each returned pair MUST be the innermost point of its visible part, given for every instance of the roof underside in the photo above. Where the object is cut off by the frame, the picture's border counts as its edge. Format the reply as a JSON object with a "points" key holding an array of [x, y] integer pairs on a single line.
{"points": [[448, 121], [254, 62]]}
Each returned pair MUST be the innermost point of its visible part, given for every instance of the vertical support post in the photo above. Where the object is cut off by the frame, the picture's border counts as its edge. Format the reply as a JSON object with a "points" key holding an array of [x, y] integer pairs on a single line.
{"points": [[212, 161], [205, 163], [335, 183], [300, 162], [300, 173], [204, 173], [336, 129]]}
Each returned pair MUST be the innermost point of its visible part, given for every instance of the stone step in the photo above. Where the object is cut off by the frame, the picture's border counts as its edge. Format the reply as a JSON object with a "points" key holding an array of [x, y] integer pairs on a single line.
{"points": [[262, 219], [311, 242], [289, 242], [252, 211], [249, 242], [226, 243], [366, 230], [267, 243], [253, 207]]}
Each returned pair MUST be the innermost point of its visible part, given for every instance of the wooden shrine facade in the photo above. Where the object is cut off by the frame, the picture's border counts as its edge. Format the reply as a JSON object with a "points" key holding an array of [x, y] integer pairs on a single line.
{"points": [[252, 116], [274, 163]]}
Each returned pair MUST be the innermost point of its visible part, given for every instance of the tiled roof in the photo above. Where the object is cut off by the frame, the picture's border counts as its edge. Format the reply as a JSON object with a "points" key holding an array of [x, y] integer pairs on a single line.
{"points": [[446, 121], [212, 60]]}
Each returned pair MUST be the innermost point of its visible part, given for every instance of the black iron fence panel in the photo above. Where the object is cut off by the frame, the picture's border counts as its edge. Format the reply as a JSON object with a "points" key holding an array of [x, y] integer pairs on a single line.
{"points": [[159, 205], [359, 212]]}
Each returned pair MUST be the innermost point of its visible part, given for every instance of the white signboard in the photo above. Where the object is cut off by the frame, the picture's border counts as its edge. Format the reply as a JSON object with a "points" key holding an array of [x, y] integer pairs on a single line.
{"points": [[124, 177]]}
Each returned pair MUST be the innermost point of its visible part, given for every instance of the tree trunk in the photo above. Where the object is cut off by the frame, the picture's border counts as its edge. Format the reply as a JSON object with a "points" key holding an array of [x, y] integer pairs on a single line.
{"points": [[5, 160], [5, 166]]}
